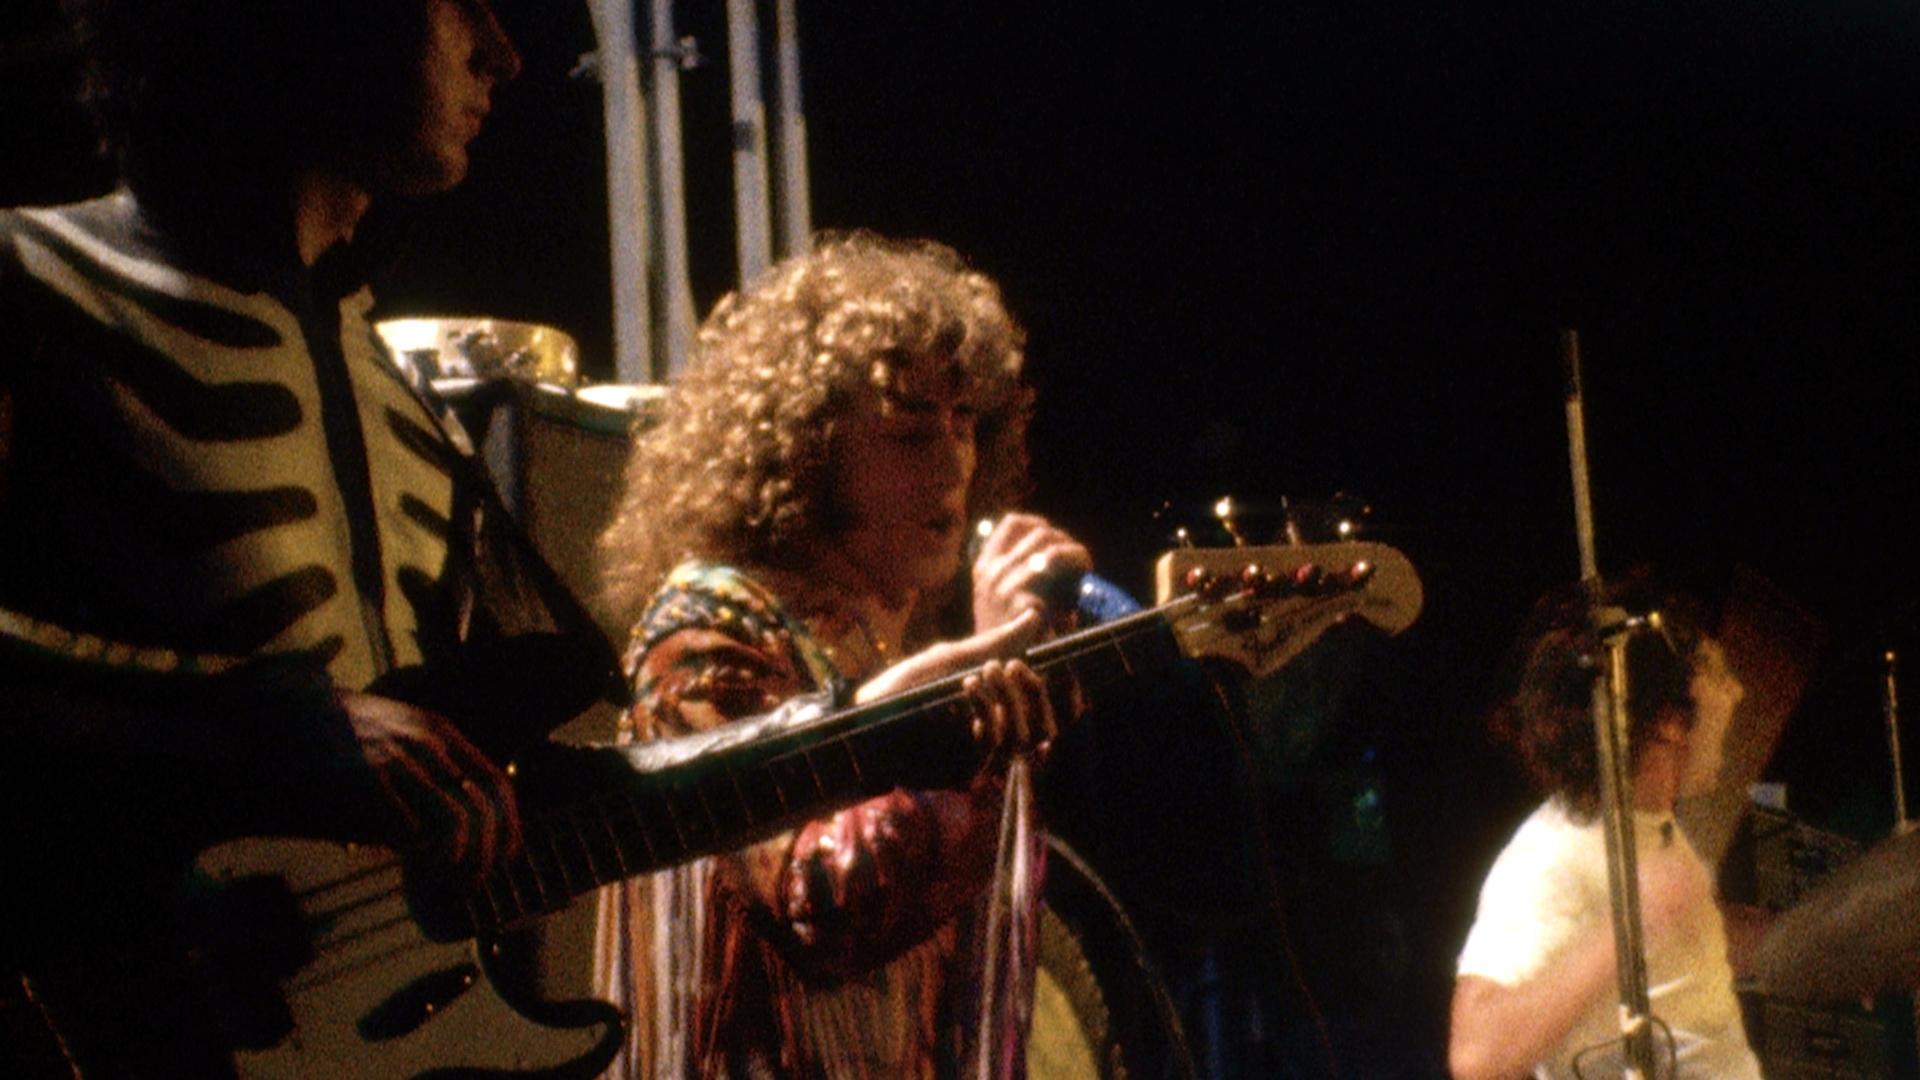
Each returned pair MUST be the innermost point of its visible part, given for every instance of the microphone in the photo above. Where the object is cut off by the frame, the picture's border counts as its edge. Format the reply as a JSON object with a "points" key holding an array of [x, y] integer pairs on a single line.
{"points": [[1096, 599], [1092, 597]]}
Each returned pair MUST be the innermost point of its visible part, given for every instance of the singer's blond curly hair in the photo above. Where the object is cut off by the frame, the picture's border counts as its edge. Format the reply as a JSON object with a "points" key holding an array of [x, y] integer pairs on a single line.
{"points": [[736, 468]]}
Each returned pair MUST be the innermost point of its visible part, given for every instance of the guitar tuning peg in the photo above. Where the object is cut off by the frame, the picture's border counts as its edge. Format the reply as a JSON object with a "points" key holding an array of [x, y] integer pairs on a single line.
{"points": [[1309, 579], [1255, 579], [1225, 510], [1195, 580]]}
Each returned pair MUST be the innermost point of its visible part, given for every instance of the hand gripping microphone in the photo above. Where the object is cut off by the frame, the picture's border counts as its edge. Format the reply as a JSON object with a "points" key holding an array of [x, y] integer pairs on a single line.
{"points": [[1092, 597]]}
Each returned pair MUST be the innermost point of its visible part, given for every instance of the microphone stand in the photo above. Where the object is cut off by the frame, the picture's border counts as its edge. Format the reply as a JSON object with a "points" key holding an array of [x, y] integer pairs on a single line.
{"points": [[1611, 727]]}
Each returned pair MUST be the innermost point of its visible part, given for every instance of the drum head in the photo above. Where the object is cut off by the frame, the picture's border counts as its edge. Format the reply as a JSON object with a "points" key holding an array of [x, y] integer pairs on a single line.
{"points": [[1100, 1009]]}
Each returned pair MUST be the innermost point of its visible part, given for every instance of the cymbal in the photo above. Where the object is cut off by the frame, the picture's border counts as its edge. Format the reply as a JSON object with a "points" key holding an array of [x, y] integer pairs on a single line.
{"points": [[477, 347], [1856, 935]]}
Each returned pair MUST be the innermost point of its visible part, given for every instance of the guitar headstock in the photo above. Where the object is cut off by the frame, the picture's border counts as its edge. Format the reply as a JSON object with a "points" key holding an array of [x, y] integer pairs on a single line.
{"points": [[1262, 606]]}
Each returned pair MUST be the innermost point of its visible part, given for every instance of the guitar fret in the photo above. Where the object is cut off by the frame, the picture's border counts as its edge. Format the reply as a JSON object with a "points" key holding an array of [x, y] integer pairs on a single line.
{"points": [[740, 800], [706, 808], [543, 859], [813, 774], [673, 820], [582, 845], [637, 829], [575, 866], [1109, 662], [1076, 668], [886, 741], [600, 834], [550, 879], [853, 761], [523, 877], [760, 794], [691, 817], [664, 845], [499, 893], [726, 808], [785, 770], [780, 793], [844, 780], [482, 912]]}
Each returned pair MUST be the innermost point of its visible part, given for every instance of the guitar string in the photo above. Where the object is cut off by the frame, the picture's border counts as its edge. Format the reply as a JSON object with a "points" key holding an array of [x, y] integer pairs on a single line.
{"points": [[323, 916], [541, 880], [1109, 636], [321, 974], [385, 865]]}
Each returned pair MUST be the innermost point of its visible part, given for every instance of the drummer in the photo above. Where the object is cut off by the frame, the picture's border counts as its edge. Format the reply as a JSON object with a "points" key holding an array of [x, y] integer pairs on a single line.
{"points": [[1536, 984]]}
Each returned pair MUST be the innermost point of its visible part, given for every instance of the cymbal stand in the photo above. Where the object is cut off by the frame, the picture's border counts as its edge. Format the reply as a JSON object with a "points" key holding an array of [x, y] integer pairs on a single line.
{"points": [[1610, 725]]}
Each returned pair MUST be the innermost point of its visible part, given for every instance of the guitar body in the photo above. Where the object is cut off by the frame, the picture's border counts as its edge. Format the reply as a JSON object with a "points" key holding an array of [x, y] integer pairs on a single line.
{"points": [[377, 998]]}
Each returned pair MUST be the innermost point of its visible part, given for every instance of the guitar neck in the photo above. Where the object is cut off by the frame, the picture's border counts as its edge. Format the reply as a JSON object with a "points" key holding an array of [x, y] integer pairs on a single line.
{"points": [[724, 789]]}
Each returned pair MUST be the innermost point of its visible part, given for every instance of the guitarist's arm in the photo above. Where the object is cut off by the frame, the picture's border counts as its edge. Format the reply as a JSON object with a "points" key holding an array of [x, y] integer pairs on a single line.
{"points": [[211, 748]]}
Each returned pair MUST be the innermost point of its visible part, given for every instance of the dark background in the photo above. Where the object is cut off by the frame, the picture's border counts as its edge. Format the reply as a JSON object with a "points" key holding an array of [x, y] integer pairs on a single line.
{"points": [[1295, 249]]}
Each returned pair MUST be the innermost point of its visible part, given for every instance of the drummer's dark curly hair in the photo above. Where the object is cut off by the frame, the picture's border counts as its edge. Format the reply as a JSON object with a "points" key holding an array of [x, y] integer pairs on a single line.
{"points": [[737, 468], [226, 95], [1548, 721]]}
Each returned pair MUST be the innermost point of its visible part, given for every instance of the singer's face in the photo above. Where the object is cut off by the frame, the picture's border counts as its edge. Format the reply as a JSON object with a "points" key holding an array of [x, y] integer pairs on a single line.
{"points": [[902, 466], [1716, 693]]}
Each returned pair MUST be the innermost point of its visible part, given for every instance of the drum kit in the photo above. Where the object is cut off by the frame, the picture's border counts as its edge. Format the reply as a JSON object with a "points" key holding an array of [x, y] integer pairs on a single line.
{"points": [[1855, 934]]}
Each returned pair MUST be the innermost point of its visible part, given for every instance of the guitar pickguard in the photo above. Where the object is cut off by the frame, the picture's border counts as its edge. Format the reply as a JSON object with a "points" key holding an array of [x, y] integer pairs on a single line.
{"points": [[380, 1000]]}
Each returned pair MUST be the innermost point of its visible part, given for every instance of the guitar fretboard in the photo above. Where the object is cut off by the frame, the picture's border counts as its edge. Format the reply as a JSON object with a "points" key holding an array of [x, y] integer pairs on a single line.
{"points": [[759, 786]]}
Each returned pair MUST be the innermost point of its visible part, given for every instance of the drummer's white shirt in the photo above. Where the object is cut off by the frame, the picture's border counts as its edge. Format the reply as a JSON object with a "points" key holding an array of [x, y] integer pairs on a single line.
{"points": [[1548, 890]]}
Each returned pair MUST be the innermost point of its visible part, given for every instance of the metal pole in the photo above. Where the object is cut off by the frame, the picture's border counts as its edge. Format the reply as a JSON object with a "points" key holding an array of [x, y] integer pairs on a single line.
{"points": [[627, 216], [1891, 700], [1611, 728], [794, 211], [674, 318], [1577, 457], [752, 229]]}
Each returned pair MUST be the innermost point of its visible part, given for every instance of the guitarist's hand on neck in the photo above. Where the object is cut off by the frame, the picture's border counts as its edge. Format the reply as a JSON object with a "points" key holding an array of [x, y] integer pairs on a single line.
{"points": [[1012, 711], [451, 806]]}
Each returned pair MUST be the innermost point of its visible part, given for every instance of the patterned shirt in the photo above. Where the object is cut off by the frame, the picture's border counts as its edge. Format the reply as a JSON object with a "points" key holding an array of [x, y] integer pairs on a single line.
{"points": [[840, 949]]}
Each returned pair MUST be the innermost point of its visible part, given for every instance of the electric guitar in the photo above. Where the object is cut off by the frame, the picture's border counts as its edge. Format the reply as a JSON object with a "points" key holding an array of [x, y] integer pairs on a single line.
{"points": [[341, 965]]}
